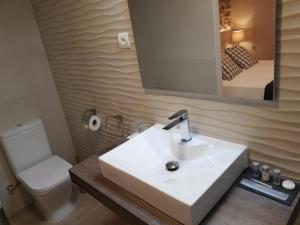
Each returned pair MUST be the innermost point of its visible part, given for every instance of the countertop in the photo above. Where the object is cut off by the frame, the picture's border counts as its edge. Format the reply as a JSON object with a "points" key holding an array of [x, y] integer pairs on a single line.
{"points": [[237, 207]]}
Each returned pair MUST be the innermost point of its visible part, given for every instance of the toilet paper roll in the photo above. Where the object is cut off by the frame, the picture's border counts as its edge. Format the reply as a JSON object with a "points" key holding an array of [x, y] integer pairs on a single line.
{"points": [[94, 123]]}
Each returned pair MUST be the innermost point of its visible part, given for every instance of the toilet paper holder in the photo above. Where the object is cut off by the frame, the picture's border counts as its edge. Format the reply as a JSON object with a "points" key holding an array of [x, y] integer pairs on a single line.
{"points": [[88, 113], [89, 116]]}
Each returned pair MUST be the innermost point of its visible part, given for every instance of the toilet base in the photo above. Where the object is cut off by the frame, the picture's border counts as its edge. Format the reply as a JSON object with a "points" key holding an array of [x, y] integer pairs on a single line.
{"points": [[58, 214], [58, 203]]}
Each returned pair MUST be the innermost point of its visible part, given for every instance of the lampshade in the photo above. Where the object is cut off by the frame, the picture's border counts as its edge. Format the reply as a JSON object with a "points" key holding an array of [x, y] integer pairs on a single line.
{"points": [[238, 36]]}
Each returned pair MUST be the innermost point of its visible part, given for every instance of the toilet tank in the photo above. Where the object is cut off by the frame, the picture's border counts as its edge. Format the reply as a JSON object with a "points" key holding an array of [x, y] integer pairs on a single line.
{"points": [[25, 145]]}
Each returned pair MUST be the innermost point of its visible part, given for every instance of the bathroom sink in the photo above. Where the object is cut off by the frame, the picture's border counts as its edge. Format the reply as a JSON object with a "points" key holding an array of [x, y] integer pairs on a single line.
{"points": [[207, 169]]}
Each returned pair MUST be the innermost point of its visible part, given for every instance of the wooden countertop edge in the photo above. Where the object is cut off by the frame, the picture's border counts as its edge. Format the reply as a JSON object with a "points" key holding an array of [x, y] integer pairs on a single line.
{"points": [[122, 202], [107, 201], [119, 200], [295, 212]]}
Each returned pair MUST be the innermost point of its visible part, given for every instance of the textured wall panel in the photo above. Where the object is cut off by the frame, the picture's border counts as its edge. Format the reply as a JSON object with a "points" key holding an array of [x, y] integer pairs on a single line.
{"points": [[91, 71]]}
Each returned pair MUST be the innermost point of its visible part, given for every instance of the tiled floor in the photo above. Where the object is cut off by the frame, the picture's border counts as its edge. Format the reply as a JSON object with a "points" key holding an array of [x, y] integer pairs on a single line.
{"points": [[88, 211]]}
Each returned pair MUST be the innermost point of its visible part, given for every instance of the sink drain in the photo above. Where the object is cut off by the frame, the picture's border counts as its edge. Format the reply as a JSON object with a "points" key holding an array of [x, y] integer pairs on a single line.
{"points": [[172, 166]]}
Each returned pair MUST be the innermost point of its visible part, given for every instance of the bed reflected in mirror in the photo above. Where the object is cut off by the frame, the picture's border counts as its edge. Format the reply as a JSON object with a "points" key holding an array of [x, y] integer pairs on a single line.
{"points": [[248, 36]]}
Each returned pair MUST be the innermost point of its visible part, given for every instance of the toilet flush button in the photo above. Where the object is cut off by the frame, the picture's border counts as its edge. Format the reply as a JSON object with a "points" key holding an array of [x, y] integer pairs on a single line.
{"points": [[289, 185]]}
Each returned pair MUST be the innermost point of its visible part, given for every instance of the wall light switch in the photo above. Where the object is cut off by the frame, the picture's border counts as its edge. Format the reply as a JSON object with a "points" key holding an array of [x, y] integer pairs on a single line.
{"points": [[124, 40]]}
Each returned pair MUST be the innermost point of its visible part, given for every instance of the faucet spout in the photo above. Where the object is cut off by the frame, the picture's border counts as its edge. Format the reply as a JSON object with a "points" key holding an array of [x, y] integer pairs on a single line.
{"points": [[182, 119], [172, 125]]}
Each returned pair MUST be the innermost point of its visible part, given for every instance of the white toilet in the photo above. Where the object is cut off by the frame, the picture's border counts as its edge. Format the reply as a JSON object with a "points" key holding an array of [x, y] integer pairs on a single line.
{"points": [[43, 174]]}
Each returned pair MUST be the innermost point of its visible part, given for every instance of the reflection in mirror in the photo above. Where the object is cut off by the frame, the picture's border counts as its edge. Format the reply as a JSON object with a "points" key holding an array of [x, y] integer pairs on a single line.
{"points": [[213, 49], [248, 34]]}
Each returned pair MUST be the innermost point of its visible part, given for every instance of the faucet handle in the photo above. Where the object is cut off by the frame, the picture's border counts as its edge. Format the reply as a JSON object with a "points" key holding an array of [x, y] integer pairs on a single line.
{"points": [[182, 113]]}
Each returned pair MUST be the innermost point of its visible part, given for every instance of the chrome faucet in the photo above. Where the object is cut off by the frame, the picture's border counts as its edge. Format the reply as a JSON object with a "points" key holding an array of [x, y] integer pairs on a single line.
{"points": [[182, 119]]}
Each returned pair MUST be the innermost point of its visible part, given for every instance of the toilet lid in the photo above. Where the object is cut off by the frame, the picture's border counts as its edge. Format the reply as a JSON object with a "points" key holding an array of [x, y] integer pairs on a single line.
{"points": [[46, 175]]}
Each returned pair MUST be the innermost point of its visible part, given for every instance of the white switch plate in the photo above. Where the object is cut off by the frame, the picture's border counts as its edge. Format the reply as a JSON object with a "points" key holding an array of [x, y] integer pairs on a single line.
{"points": [[124, 40]]}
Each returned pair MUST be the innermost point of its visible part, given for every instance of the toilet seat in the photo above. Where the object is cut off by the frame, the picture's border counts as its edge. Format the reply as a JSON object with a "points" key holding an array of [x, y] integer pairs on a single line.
{"points": [[38, 192], [46, 175]]}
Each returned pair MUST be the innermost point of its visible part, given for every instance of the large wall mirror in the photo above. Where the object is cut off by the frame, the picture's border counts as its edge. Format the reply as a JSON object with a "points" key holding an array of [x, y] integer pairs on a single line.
{"points": [[223, 48]]}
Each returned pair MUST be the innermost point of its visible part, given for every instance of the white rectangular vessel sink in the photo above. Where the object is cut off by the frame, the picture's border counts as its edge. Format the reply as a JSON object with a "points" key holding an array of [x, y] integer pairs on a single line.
{"points": [[207, 169]]}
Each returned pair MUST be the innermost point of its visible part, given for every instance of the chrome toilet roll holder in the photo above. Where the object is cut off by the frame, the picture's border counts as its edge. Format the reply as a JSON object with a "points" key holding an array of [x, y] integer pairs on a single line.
{"points": [[88, 113]]}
